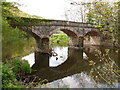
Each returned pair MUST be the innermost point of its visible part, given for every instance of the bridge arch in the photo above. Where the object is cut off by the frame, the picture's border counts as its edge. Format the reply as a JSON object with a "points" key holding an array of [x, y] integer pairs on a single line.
{"points": [[93, 33], [69, 32], [92, 38], [72, 35]]}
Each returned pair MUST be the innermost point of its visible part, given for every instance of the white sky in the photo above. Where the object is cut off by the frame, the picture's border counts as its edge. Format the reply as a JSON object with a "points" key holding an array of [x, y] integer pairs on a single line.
{"points": [[49, 9]]}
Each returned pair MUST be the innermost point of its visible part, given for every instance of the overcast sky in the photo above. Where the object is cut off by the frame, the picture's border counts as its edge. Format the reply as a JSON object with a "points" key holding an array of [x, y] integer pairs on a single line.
{"points": [[49, 9]]}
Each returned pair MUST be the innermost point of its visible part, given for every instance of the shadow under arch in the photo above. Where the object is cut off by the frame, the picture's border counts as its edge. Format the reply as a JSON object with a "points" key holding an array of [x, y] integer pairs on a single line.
{"points": [[93, 33], [92, 38], [69, 32]]}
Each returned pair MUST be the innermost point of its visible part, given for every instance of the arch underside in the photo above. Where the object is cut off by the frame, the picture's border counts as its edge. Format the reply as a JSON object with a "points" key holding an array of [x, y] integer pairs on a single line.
{"points": [[69, 33], [93, 33], [92, 38]]}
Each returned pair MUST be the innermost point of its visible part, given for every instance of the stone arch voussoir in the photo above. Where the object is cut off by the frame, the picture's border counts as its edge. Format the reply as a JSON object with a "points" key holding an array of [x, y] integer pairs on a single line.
{"points": [[93, 33], [69, 31]]}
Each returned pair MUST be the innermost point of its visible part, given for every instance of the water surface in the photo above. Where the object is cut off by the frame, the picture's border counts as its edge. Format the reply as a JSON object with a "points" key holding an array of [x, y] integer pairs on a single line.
{"points": [[90, 67]]}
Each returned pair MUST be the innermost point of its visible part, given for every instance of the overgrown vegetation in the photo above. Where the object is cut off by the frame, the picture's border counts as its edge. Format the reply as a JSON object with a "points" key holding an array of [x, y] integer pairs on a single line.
{"points": [[12, 70], [12, 36], [106, 15], [103, 13], [108, 73], [8, 78], [16, 74], [10, 10], [19, 66]]}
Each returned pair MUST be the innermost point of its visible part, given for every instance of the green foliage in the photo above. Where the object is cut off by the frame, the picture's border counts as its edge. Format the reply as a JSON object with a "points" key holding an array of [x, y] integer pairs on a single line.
{"points": [[59, 37], [12, 38], [104, 14], [8, 78], [108, 71], [12, 14], [20, 66], [20, 47], [97, 26], [59, 44], [10, 70], [11, 10], [90, 18], [0, 74], [10, 34]]}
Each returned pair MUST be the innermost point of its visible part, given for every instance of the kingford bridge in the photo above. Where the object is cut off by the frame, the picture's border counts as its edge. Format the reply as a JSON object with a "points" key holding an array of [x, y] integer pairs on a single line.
{"points": [[42, 29]]}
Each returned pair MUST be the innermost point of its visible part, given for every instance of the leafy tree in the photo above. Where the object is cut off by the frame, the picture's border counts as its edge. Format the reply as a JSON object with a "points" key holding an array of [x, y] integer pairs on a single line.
{"points": [[10, 9], [90, 19], [105, 14], [8, 78], [76, 13], [11, 37]]}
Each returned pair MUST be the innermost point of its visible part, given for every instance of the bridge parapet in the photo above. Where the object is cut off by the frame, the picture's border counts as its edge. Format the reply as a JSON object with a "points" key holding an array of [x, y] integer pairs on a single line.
{"points": [[46, 22]]}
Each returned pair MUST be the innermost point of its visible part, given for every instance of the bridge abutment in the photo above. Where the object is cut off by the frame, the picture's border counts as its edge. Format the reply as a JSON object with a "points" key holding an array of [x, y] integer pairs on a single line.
{"points": [[80, 42], [76, 42], [73, 41]]}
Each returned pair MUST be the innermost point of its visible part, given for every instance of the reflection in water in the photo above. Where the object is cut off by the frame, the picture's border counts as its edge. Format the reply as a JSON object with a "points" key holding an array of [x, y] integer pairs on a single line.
{"points": [[88, 68], [17, 48], [60, 57], [30, 59], [81, 80], [62, 54]]}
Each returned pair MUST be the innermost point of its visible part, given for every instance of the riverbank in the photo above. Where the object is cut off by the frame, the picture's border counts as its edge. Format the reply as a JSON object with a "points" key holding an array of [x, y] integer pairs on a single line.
{"points": [[18, 74], [12, 70]]}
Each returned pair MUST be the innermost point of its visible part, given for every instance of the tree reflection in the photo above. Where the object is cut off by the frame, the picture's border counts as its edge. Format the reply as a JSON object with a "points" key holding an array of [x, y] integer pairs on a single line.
{"points": [[99, 69], [106, 73], [17, 48]]}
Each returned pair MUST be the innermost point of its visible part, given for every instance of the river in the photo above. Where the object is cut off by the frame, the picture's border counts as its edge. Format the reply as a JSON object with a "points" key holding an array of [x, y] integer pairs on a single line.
{"points": [[90, 67]]}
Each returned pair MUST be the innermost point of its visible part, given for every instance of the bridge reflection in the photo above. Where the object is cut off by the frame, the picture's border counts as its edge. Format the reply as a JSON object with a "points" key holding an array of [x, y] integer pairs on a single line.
{"points": [[74, 64]]}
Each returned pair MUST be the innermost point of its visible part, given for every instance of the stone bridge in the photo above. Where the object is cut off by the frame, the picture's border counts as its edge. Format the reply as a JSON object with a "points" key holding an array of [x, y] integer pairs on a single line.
{"points": [[42, 29]]}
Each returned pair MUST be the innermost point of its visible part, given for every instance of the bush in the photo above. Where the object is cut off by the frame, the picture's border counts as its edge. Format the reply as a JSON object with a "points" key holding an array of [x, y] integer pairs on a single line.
{"points": [[8, 78], [11, 69], [20, 66]]}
